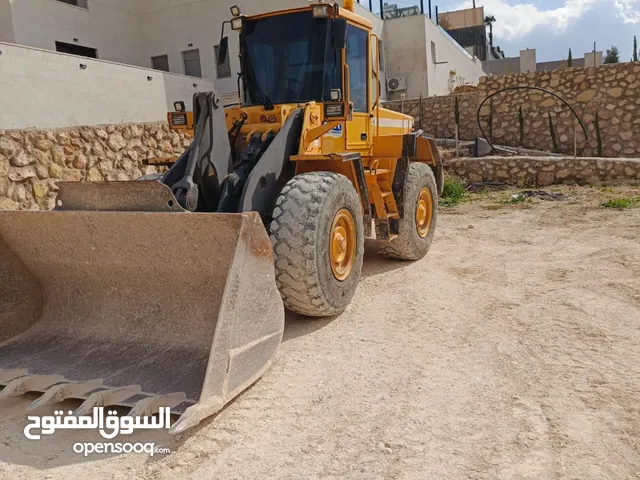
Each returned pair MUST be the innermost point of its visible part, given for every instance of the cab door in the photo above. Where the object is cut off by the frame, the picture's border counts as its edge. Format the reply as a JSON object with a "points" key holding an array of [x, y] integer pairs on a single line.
{"points": [[358, 130]]}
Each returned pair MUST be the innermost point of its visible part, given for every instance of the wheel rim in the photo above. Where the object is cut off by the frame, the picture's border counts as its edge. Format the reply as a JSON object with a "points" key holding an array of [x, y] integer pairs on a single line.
{"points": [[342, 248], [424, 212]]}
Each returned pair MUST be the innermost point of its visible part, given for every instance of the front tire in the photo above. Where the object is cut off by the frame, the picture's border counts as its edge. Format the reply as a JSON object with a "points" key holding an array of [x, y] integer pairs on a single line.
{"points": [[317, 234], [420, 215]]}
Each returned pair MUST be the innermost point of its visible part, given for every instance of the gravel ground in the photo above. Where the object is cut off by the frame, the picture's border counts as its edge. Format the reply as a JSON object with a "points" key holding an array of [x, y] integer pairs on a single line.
{"points": [[511, 351]]}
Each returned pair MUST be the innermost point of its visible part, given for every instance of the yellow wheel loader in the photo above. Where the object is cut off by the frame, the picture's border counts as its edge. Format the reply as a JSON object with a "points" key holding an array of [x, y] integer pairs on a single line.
{"points": [[270, 205]]}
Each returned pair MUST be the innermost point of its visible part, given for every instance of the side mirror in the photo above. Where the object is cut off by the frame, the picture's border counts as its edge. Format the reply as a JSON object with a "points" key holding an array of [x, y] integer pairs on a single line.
{"points": [[223, 50], [339, 29]]}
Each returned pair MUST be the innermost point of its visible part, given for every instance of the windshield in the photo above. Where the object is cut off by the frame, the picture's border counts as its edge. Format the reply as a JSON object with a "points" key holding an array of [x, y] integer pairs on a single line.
{"points": [[289, 59]]}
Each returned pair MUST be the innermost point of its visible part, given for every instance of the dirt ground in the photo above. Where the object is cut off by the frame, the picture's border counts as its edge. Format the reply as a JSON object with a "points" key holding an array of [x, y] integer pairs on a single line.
{"points": [[512, 352]]}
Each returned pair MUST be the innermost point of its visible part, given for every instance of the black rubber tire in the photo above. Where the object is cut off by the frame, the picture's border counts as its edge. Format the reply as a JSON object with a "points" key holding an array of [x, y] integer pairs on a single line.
{"points": [[300, 232], [409, 245]]}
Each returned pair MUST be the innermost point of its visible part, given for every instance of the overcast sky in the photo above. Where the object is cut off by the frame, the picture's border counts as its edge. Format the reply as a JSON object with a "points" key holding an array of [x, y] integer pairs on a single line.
{"points": [[554, 26]]}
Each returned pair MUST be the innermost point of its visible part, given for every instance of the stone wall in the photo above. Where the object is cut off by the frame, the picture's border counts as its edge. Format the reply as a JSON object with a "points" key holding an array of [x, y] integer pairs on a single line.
{"points": [[542, 171], [611, 91], [32, 161]]}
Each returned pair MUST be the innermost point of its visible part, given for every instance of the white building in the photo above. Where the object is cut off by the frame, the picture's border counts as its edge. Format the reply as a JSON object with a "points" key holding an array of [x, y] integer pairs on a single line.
{"points": [[181, 36]]}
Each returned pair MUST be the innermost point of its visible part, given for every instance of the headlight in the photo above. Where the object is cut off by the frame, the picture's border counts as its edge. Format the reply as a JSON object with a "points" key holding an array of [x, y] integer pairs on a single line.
{"points": [[335, 95], [179, 106], [236, 23], [235, 10], [334, 109], [179, 120], [321, 11]]}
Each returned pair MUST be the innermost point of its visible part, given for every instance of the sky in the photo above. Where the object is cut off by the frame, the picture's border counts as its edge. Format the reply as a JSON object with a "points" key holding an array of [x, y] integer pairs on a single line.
{"points": [[554, 26]]}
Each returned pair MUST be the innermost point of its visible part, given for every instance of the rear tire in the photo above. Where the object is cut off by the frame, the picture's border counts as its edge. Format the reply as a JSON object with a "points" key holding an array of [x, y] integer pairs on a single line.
{"points": [[317, 234], [417, 228]]}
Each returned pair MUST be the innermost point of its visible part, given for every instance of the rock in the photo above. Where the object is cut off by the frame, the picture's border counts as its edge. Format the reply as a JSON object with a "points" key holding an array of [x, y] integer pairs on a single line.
{"points": [[564, 138], [97, 149], [80, 161], [100, 133], [126, 165], [586, 96], [40, 191], [627, 135], [69, 175], [94, 175], [59, 156], [186, 142], [616, 147], [615, 92], [175, 139], [7, 147], [87, 134], [15, 134], [22, 174], [135, 130], [116, 142], [62, 138], [55, 170], [151, 143], [7, 204], [562, 173], [549, 102], [20, 159], [44, 145], [3, 186], [132, 154], [4, 166], [123, 177], [105, 166], [19, 193], [166, 147]]}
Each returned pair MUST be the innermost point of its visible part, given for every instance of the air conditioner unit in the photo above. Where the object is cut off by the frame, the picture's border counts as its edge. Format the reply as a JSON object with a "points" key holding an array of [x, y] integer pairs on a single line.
{"points": [[396, 84]]}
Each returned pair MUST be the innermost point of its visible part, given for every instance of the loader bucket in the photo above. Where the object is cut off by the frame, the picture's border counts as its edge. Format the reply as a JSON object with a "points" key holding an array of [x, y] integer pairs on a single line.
{"points": [[136, 309]]}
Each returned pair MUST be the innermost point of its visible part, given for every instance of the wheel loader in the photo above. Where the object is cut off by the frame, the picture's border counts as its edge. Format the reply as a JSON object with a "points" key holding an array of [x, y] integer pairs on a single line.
{"points": [[268, 208]]}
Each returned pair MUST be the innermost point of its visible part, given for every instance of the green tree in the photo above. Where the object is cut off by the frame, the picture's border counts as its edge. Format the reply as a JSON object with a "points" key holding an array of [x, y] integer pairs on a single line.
{"points": [[570, 59], [489, 20], [613, 55], [635, 49]]}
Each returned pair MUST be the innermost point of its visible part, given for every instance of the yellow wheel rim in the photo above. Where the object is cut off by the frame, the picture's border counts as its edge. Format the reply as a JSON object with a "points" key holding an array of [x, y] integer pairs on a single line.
{"points": [[342, 247], [424, 212]]}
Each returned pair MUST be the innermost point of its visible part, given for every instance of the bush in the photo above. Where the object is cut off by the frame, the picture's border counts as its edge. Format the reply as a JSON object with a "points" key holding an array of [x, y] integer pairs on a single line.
{"points": [[452, 193]]}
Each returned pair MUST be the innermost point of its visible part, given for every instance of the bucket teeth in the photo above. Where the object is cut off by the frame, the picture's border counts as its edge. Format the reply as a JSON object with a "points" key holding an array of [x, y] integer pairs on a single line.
{"points": [[59, 393], [7, 375], [29, 383], [112, 396], [151, 406]]}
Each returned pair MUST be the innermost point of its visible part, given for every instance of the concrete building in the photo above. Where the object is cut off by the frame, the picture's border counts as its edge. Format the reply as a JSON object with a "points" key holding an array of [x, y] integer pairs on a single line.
{"points": [[467, 27], [427, 62], [526, 62], [181, 36]]}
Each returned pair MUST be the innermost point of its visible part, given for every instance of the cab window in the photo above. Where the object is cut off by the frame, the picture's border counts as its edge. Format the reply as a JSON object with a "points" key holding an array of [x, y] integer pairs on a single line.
{"points": [[357, 40]]}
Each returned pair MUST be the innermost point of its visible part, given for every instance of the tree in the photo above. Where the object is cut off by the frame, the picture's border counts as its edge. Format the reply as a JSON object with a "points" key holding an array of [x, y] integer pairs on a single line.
{"points": [[570, 59], [635, 49], [613, 55], [489, 20]]}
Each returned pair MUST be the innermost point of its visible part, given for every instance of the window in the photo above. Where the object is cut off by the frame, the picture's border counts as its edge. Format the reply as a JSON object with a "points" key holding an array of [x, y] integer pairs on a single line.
{"points": [[433, 53], [357, 61], [289, 59], [76, 50], [75, 3], [380, 54], [191, 59], [223, 70], [160, 62]]}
